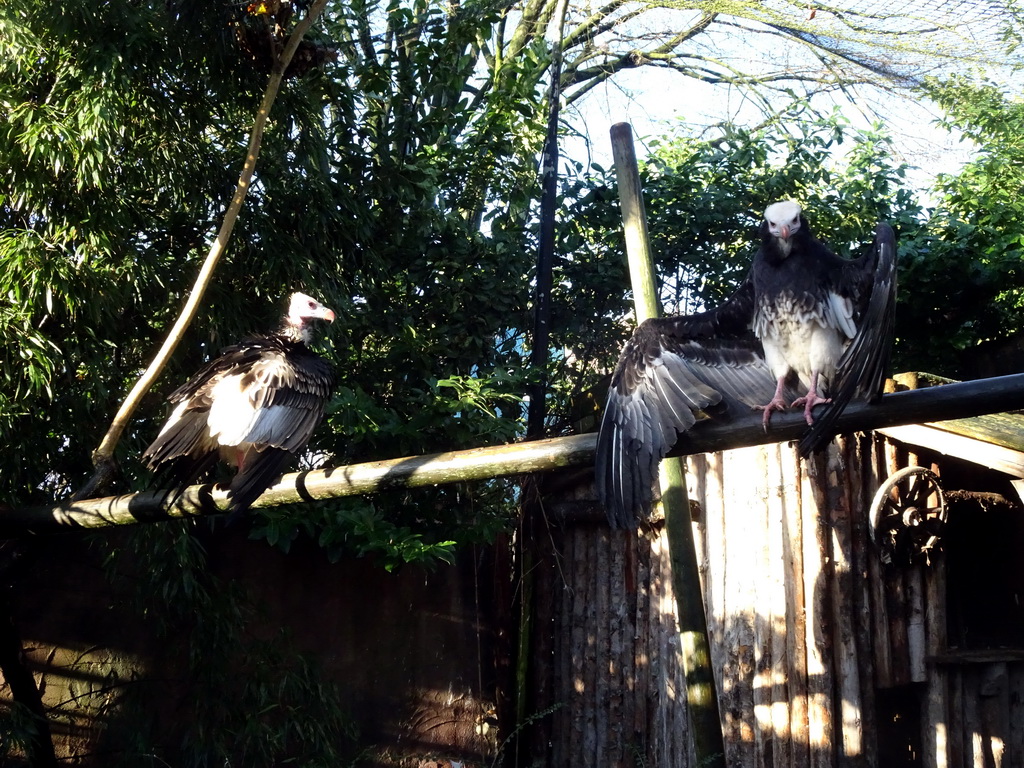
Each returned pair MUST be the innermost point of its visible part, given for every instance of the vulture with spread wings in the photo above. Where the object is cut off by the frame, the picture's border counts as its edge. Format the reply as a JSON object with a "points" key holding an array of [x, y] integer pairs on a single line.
{"points": [[806, 328], [254, 406]]}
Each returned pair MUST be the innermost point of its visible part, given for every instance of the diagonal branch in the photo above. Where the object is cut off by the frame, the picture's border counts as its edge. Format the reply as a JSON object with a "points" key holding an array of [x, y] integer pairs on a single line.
{"points": [[103, 456]]}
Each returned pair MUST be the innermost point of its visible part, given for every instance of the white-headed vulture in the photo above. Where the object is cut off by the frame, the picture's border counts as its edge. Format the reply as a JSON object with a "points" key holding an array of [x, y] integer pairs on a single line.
{"points": [[805, 328], [254, 406]]}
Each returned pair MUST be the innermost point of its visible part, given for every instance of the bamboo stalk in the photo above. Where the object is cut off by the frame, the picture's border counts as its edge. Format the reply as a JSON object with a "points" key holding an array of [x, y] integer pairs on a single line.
{"points": [[935, 722], [591, 581], [776, 613], [641, 556], [796, 615], [916, 636], [859, 448], [693, 632], [351, 480], [737, 649], [715, 528], [620, 657], [876, 579], [760, 567], [846, 655], [602, 661], [565, 657], [896, 590], [818, 627]]}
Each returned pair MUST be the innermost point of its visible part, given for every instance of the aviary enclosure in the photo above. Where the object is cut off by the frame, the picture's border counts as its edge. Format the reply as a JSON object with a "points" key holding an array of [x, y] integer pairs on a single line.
{"points": [[838, 636]]}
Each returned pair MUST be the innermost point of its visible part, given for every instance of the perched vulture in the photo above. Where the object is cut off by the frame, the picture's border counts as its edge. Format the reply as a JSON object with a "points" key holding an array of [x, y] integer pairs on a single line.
{"points": [[805, 328], [254, 406]]}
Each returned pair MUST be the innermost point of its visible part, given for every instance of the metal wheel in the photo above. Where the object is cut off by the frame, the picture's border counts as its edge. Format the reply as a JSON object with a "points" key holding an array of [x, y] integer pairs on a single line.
{"points": [[902, 523]]}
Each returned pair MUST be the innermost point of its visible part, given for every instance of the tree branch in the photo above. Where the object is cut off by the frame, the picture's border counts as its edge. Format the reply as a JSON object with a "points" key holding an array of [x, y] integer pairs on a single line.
{"points": [[600, 21], [103, 456]]}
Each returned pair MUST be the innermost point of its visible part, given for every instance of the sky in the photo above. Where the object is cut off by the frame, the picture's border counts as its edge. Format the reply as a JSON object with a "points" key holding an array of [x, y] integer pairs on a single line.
{"points": [[656, 102]]}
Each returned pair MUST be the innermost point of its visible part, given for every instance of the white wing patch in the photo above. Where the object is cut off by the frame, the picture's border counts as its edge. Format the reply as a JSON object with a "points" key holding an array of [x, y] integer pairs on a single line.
{"points": [[839, 315], [243, 410], [232, 410], [175, 417], [275, 425]]}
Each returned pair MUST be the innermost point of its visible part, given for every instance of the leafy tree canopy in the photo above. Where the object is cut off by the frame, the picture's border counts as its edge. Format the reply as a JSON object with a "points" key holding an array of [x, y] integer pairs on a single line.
{"points": [[964, 267]]}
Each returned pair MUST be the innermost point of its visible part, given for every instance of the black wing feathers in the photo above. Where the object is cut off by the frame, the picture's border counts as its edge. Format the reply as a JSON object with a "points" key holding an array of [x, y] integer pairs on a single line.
{"points": [[671, 369], [871, 283], [280, 394], [259, 473]]}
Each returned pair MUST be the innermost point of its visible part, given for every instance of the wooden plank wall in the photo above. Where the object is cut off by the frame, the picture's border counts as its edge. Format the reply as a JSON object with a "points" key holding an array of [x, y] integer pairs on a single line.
{"points": [[981, 724], [617, 689], [808, 629], [753, 556]]}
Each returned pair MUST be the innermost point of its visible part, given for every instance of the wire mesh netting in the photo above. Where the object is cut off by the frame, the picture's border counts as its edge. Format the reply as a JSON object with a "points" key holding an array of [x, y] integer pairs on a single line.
{"points": [[903, 40]]}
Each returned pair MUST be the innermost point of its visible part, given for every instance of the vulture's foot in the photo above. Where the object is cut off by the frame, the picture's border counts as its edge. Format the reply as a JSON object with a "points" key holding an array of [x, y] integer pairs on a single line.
{"points": [[776, 404], [808, 402]]}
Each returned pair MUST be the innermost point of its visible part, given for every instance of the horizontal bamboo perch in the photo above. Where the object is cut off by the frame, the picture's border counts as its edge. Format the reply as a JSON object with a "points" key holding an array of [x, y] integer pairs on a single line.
{"points": [[949, 401]]}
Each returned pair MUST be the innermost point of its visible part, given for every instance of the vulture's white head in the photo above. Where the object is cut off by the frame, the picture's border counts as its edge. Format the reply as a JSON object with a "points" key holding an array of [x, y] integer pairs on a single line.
{"points": [[302, 310], [783, 220]]}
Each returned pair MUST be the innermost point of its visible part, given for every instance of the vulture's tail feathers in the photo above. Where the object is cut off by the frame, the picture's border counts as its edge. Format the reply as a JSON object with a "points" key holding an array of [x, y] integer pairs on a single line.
{"points": [[259, 472], [178, 474]]}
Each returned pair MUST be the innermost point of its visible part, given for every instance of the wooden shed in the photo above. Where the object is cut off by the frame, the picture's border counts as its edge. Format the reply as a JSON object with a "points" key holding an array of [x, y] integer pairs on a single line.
{"points": [[824, 654]]}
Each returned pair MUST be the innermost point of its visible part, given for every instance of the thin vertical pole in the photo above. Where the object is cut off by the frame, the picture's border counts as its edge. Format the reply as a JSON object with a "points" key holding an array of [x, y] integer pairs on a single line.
{"points": [[701, 697], [546, 247]]}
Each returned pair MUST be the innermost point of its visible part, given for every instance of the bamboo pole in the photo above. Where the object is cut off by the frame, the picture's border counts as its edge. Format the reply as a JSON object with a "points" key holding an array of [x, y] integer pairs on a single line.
{"points": [[846, 657], [314, 485], [693, 630], [817, 614], [858, 459], [799, 755], [933, 404]]}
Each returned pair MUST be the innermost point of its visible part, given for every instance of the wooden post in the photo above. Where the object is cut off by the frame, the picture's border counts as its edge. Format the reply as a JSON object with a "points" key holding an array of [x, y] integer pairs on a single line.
{"points": [[693, 632]]}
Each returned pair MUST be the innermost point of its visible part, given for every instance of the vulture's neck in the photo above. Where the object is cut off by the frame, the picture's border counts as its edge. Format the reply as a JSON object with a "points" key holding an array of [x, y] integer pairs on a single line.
{"points": [[300, 332]]}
